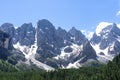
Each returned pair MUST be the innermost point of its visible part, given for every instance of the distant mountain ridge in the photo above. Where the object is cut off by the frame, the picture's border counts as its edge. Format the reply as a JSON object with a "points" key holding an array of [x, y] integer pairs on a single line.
{"points": [[107, 43], [49, 48]]}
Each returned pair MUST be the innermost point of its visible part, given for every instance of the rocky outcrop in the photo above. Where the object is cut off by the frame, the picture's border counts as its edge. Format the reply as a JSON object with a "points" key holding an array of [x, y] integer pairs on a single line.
{"points": [[55, 47]]}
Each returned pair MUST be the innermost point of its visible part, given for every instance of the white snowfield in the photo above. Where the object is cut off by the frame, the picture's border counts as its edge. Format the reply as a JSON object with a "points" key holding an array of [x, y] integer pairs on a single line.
{"points": [[30, 52], [75, 64], [75, 53], [103, 58]]}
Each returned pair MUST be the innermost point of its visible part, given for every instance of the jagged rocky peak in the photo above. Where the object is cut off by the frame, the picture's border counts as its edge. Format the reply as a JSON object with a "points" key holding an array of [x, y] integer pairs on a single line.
{"points": [[7, 25], [61, 30], [107, 35], [77, 36], [45, 32], [110, 27], [25, 34], [46, 38], [110, 31], [62, 33], [105, 27], [107, 41], [27, 26], [113, 29], [45, 25], [105, 32], [8, 28], [101, 26], [73, 31]]}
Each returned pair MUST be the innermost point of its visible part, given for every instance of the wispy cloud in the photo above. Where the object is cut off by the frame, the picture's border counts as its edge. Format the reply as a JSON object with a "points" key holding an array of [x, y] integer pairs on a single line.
{"points": [[88, 34], [118, 13]]}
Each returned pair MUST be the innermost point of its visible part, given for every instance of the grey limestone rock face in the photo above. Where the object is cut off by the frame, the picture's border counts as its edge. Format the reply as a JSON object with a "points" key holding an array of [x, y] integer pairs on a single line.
{"points": [[109, 38], [50, 42], [25, 34], [5, 45], [8, 28], [78, 37]]}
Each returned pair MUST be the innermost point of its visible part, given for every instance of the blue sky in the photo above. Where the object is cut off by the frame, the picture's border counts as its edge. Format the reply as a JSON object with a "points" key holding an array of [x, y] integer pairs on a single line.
{"points": [[82, 14]]}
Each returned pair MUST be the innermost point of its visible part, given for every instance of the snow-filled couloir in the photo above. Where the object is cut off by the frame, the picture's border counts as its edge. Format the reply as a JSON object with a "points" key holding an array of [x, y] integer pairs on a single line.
{"points": [[30, 52]]}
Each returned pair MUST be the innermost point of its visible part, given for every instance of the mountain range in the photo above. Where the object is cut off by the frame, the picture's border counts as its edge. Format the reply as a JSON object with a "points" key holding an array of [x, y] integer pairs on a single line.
{"points": [[49, 48]]}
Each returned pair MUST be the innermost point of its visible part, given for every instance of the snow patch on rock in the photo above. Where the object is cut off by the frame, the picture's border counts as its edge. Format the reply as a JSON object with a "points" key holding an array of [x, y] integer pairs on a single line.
{"points": [[105, 57], [30, 52], [64, 55]]}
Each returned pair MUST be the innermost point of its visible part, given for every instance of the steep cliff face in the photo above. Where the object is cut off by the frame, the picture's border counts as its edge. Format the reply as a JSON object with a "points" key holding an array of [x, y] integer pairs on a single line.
{"points": [[5, 45], [48, 47], [7, 38], [25, 34], [62, 49]]}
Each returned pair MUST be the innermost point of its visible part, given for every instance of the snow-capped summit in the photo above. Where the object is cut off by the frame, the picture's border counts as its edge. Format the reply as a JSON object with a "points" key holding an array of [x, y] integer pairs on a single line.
{"points": [[101, 26], [106, 41]]}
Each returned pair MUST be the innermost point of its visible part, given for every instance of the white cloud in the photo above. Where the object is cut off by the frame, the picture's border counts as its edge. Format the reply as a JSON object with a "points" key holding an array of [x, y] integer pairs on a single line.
{"points": [[118, 13], [101, 26], [118, 25], [88, 34]]}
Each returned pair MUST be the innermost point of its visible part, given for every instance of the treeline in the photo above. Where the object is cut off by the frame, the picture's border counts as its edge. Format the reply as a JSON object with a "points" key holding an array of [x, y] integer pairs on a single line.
{"points": [[111, 71], [7, 67]]}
